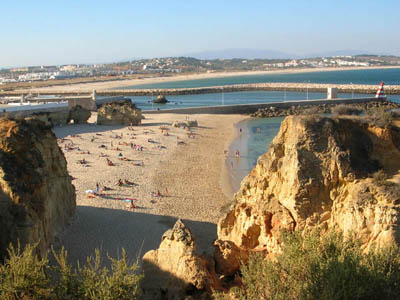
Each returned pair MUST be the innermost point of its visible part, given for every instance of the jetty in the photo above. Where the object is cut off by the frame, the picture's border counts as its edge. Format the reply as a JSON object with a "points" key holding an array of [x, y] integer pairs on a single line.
{"points": [[294, 87]]}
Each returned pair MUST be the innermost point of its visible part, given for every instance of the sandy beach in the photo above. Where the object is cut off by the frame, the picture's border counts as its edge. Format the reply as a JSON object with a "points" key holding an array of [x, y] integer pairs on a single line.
{"points": [[187, 169], [88, 87]]}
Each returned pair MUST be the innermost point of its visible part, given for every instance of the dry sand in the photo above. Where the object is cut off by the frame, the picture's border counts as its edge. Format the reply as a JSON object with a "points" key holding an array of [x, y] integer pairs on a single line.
{"points": [[191, 173], [88, 87]]}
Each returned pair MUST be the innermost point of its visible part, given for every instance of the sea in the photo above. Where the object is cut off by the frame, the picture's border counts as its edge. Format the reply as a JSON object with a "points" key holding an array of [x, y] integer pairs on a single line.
{"points": [[255, 135]]}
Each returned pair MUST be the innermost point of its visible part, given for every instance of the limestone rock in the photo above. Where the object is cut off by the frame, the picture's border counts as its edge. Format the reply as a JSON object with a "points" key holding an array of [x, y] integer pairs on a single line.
{"points": [[119, 113], [52, 118], [174, 269], [79, 114], [317, 174], [186, 123], [37, 199]]}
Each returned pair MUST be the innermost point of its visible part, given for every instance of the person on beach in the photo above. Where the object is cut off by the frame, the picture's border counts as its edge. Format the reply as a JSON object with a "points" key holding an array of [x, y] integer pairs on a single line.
{"points": [[237, 154]]}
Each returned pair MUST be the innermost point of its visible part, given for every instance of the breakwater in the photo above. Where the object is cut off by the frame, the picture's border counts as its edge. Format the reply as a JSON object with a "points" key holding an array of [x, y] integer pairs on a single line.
{"points": [[296, 87], [252, 108]]}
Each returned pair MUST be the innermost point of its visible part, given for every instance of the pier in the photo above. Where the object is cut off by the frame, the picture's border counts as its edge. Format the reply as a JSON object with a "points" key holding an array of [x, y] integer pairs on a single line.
{"points": [[294, 87]]}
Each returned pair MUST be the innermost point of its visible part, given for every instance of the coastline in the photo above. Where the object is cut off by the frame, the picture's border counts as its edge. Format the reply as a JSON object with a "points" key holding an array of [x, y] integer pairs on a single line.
{"points": [[134, 82], [188, 176]]}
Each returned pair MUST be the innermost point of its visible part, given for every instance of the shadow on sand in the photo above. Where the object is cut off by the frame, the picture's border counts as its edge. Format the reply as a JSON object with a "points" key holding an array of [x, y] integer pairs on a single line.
{"points": [[110, 230]]}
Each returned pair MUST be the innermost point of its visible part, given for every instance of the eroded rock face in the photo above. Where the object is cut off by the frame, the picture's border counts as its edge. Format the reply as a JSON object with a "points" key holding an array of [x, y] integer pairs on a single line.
{"points": [[52, 118], [316, 174], [174, 270], [37, 199], [79, 114], [119, 113]]}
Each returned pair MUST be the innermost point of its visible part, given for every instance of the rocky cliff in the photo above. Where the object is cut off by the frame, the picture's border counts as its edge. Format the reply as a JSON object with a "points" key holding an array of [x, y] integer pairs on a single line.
{"points": [[119, 113], [37, 198], [320, 173]]}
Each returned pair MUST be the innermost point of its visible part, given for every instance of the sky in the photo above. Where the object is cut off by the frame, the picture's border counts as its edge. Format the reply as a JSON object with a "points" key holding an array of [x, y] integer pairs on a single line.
{"points": [[54, 32]]}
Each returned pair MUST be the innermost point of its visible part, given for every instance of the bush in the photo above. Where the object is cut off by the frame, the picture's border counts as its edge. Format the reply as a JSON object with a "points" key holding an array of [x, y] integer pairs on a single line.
{"points": [[380, 117], [344, 109], [26, 276], [326, 268]]}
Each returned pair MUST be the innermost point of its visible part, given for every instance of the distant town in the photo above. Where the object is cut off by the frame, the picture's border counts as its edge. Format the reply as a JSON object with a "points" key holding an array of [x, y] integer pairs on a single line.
{"points": [[169, 66]]}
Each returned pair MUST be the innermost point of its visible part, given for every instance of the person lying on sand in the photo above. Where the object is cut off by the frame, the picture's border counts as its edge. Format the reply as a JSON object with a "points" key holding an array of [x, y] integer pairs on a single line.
{"points": [[156, 194], [106, 188], [119, 182], [124, 158], [138, 164], [129, 182], [82, 161], [110, 163], [103, 155]]}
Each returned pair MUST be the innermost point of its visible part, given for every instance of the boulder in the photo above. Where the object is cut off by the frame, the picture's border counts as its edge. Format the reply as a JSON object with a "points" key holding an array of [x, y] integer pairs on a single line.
{"points": [[37, 198], [119, 113], [186, 123], [79, 114], [174, 270], [317, 175]]}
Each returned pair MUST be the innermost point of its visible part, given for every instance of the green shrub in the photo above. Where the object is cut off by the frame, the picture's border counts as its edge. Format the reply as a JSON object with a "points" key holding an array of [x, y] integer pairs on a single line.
{"points": [[327, 268], [344, 109], [24, 275], [380, 117]]}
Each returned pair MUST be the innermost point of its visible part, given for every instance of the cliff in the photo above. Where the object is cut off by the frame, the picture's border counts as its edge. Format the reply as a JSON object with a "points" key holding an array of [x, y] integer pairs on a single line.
{"points": [[37, 198], [317, 174]]}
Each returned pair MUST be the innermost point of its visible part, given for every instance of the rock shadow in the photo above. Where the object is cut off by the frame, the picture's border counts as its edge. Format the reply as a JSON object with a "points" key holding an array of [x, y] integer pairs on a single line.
{"points": [[110, 230]]}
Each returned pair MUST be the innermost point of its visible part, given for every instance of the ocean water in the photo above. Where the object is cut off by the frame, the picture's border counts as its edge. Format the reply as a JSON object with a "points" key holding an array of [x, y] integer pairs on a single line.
{"points": [[253, 138], [186, 101], [372, 76]]}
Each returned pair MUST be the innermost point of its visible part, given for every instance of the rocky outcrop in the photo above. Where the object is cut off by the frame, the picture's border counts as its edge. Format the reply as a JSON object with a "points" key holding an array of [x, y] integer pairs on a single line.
{"points": [[119, 113], [52, 118], [317, 174], [174, 270], [186, 123], [328, 108], [37, 199], [79, 115]]}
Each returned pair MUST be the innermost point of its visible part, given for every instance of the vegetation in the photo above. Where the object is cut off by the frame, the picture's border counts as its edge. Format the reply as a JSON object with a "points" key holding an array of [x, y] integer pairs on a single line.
{"points": [[24, 275], [344, 109], [311, 267], [380, 117]]}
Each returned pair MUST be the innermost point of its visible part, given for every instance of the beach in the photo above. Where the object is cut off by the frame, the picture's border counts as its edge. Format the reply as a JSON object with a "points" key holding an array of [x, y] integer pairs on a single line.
{"points": [[113, 84], [187, 168]]}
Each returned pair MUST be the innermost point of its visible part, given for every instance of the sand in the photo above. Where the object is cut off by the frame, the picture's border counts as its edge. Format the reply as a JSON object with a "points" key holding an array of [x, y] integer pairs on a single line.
{"points": [[88, 87], [191, 176]]}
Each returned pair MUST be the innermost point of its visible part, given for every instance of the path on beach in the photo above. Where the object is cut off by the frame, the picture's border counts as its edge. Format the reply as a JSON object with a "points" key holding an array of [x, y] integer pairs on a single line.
{"points": [[188, 175]]}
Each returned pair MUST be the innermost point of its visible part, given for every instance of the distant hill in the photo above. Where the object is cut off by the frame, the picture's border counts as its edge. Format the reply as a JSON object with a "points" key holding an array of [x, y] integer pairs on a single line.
{"points": [[271, 54], [239, 53]]}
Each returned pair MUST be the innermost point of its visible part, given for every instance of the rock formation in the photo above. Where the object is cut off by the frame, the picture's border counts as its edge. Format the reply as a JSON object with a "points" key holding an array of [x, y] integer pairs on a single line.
{"points": [[52, 118], [119, 113], [186, 123], [79, 114], [37, 198], [317, 174], [273, 111], [174, 270]]}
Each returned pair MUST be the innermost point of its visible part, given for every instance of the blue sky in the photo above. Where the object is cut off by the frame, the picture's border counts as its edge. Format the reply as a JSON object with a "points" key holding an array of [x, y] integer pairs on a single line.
{"points": [[60, 32]]}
